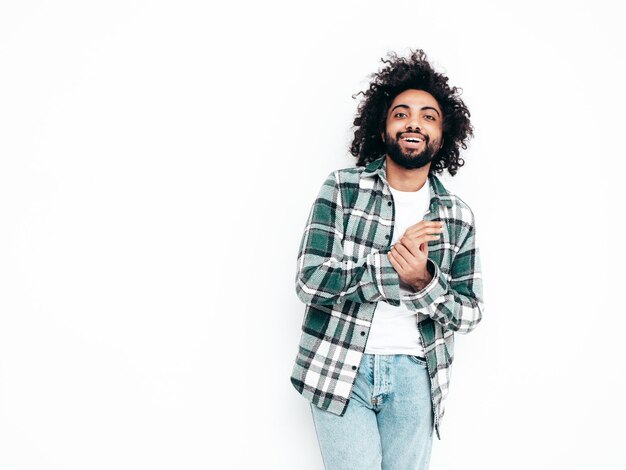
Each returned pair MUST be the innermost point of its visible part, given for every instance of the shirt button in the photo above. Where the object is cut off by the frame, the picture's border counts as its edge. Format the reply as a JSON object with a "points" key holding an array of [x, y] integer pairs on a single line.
{"points": [[387, 237], [362, 333], [389, 203], [353, 367]]}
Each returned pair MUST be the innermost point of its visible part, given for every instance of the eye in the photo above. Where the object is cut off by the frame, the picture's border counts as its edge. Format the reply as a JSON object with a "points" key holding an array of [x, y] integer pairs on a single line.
{"points": [[430, 117], [399, 115]]}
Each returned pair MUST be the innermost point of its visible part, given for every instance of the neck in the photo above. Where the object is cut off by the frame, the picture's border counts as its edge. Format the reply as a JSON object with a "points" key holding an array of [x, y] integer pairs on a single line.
{"points": [[403, 179]]}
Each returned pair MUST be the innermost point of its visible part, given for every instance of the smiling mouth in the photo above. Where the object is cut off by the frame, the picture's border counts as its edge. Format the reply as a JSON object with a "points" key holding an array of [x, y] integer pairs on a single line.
{"points": [[412, 143], [413, 137], [415, 140]]}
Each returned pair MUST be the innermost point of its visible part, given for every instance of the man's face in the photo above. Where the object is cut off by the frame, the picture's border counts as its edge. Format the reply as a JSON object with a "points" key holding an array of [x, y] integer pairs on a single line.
{"points": [[413, 129]]}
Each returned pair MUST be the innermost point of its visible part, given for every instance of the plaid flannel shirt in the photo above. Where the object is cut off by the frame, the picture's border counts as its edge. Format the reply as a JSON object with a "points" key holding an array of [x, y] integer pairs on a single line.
{"points": [[343, 272]]}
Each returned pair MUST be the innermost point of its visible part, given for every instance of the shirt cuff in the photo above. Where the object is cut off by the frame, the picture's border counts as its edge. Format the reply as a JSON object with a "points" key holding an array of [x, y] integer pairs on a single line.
{"points": [[437, 287], [387, 280]]}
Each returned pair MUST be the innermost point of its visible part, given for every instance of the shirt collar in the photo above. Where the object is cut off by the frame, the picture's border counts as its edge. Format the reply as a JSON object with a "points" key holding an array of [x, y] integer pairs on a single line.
{"points": [[438, 194]]}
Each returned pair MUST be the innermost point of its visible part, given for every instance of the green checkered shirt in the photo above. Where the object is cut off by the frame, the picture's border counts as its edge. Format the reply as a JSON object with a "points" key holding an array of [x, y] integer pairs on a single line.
{"points": [[343, 272]]}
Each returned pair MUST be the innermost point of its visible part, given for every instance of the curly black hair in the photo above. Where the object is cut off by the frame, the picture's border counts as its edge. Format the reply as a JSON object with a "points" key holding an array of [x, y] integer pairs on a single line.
{"points": [[400, 74]]}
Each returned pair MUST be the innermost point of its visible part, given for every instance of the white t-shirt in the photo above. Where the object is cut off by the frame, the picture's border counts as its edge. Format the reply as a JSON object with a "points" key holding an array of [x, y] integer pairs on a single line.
{"points": [[394, 329]]}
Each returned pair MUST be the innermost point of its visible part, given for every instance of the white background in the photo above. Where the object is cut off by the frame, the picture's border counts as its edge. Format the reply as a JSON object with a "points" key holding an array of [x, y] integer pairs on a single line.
{"points": [[158, 162]]}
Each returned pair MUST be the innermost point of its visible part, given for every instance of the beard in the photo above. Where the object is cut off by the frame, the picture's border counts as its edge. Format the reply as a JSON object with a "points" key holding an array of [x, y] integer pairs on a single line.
{"points": [[411, 159]]}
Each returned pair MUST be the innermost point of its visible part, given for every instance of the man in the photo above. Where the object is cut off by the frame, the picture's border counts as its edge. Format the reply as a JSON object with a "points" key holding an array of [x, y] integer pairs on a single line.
{"points": [[389, 269]]}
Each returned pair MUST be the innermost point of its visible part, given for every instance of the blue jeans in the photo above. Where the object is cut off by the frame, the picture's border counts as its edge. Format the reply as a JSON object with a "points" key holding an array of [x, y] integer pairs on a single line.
{"points": [[389, 420]]}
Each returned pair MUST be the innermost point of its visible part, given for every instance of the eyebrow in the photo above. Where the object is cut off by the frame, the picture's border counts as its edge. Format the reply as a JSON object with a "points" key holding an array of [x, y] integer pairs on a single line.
{"points": [[423, 108]]}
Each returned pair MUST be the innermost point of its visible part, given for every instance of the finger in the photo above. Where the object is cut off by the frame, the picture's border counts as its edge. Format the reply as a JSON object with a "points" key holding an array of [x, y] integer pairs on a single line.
{"points": [[431, 227], [426, 223], [429, 238], [426, 228], [394, 263], [406, 255], [411, 251], [412, 262], [398, 258], [411, 245], [424, 239]]}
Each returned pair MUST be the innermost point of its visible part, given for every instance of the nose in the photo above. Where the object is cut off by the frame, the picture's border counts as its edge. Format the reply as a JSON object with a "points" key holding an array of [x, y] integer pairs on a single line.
{"points": [[413, 124]]}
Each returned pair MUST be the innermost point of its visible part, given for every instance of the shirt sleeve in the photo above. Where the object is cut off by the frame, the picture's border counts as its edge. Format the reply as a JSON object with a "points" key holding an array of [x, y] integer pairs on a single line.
{"points": [[324, 275], [457, 304]]}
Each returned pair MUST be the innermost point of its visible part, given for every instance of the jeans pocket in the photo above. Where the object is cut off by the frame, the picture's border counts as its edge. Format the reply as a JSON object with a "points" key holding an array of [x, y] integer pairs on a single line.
{"points": [[418, 360]]}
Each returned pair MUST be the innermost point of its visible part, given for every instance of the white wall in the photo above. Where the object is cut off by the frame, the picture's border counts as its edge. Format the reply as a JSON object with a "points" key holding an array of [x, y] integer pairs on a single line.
{"points": [[157, 164]]}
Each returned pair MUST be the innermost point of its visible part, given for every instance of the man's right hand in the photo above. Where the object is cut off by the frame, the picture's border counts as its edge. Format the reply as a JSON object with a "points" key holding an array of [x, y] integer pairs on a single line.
{"points": [[409, 255]]}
